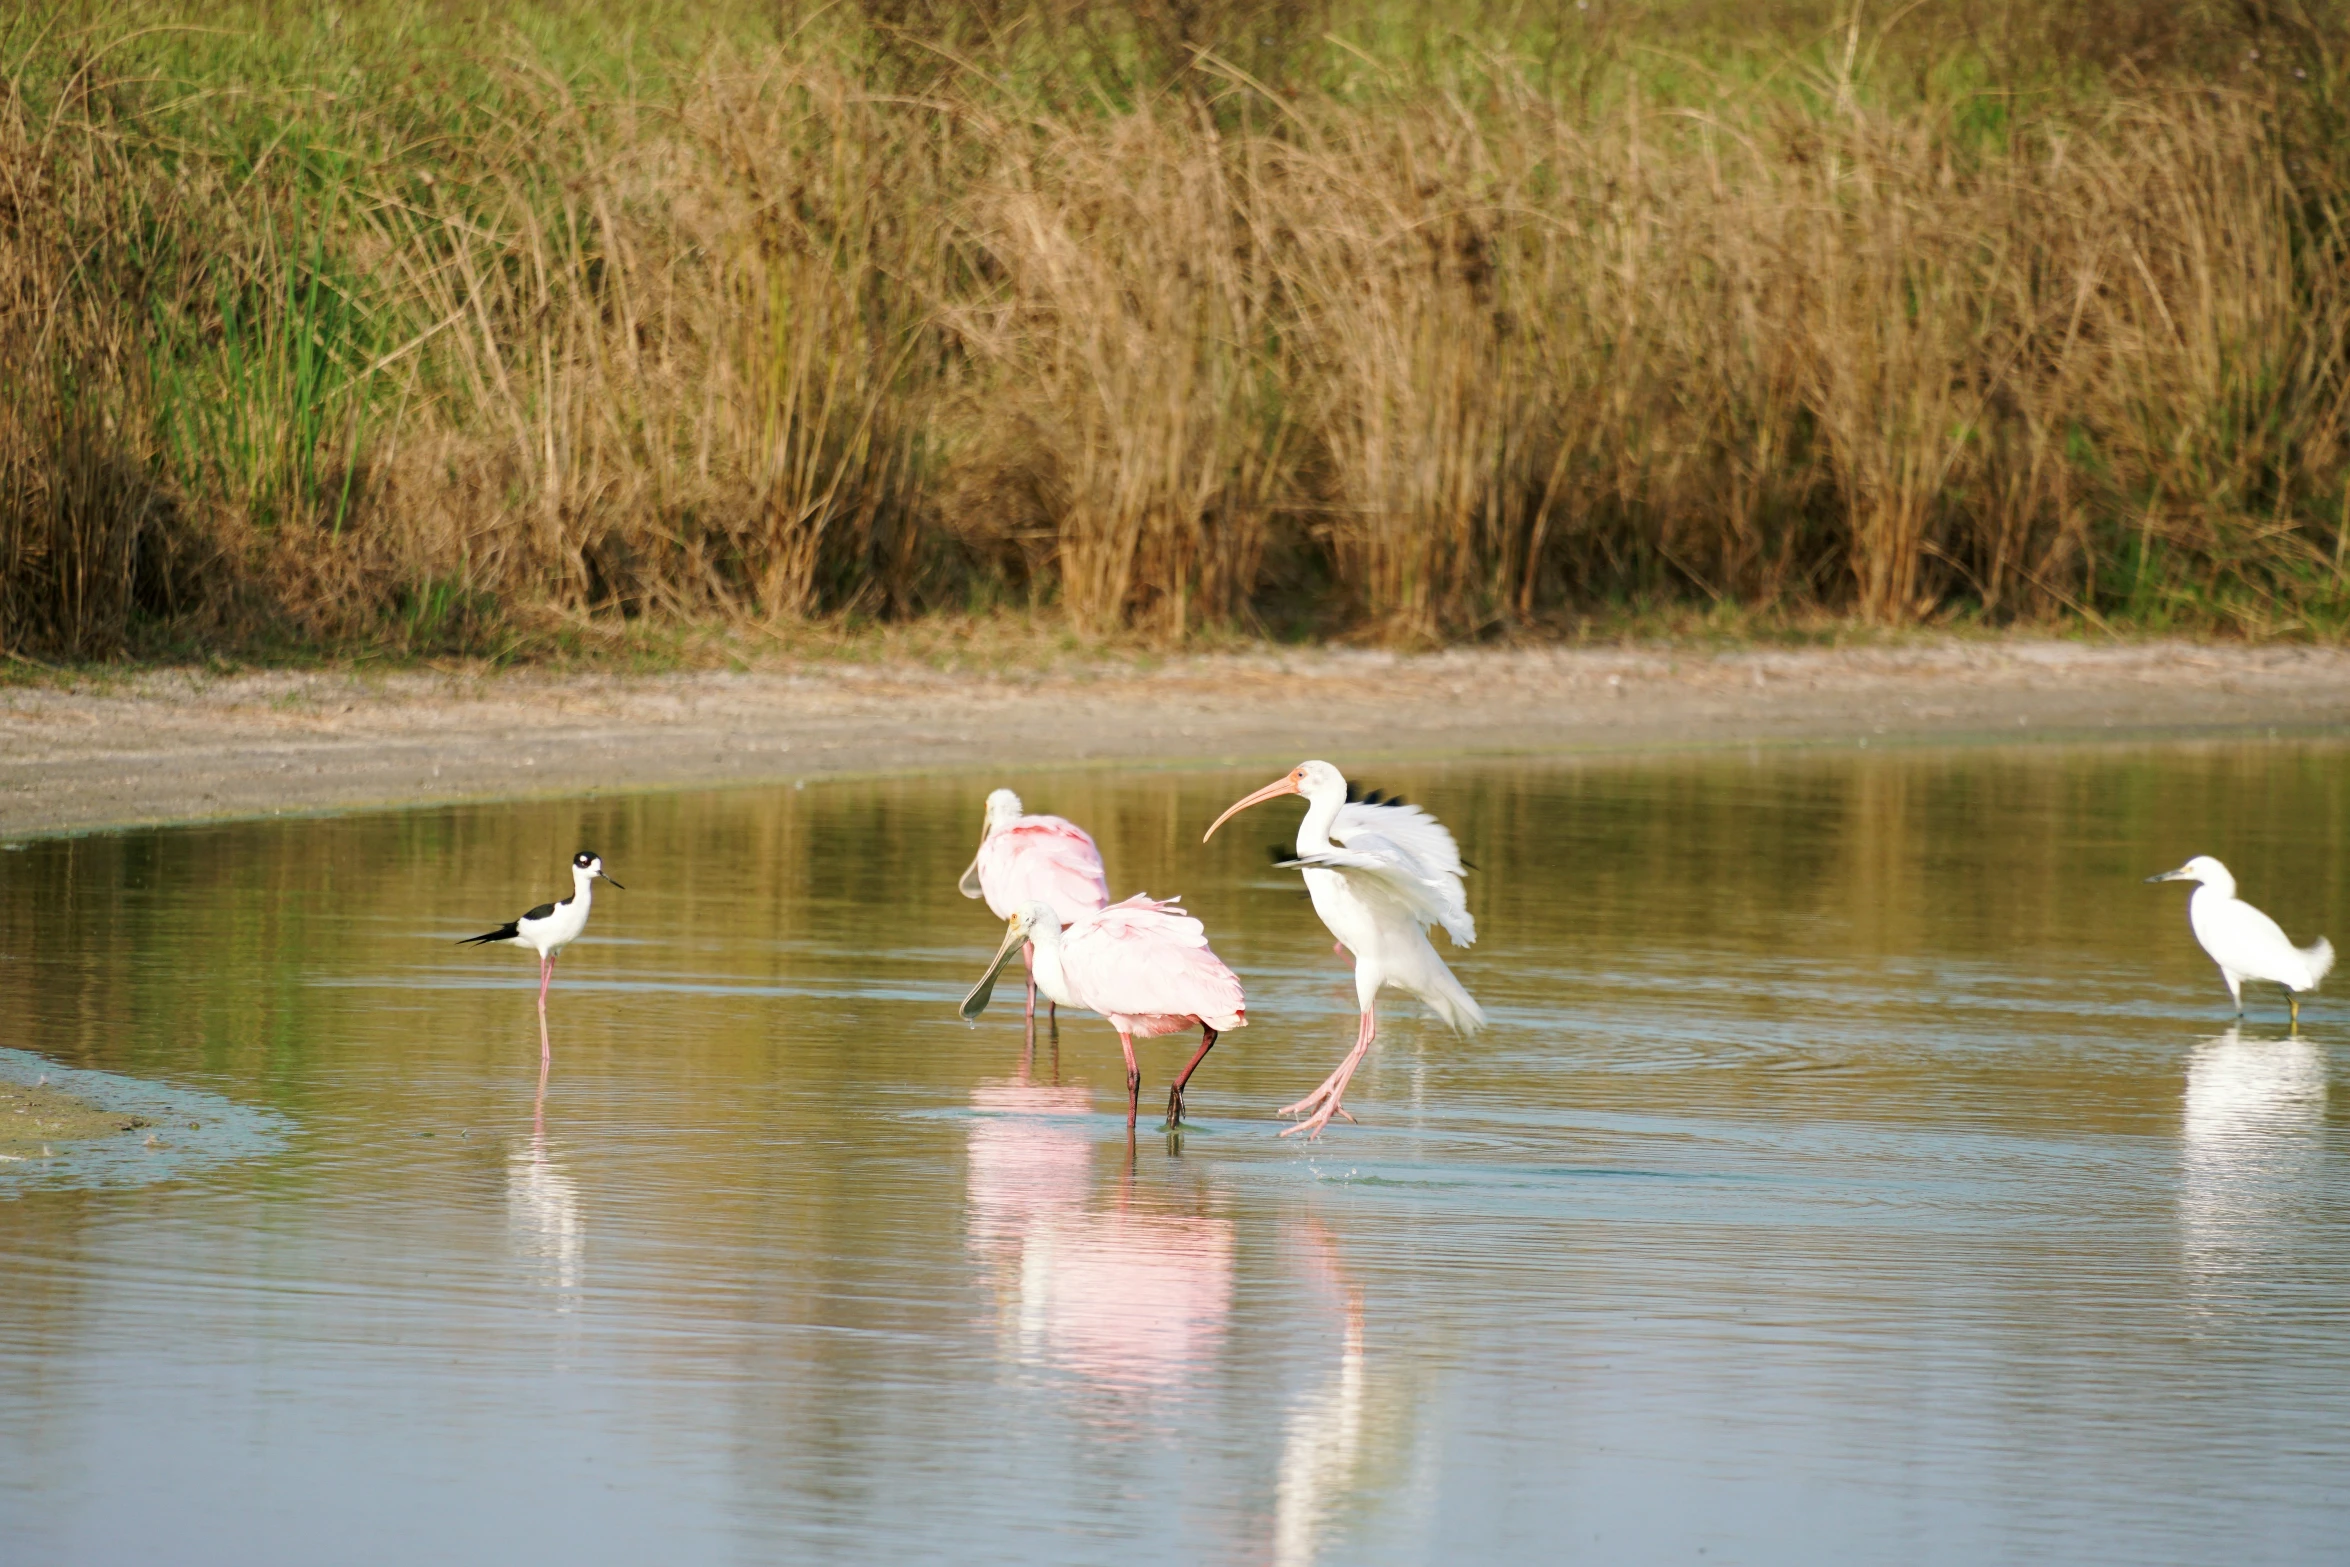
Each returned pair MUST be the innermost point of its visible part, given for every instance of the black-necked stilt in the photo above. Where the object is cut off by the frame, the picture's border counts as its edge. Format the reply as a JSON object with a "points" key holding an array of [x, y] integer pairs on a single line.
{"points": [[547, 930]]}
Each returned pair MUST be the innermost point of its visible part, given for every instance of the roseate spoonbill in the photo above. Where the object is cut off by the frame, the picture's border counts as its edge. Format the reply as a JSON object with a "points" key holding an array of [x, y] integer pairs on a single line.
{"points": [[1143, 964], [547, 930], [2245, 943], [1380, 872], [1035, 859]]}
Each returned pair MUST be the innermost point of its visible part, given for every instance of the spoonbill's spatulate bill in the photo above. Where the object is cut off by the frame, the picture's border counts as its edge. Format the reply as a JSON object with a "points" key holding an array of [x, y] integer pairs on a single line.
{"points": [[1026, 859], [1380, 872], [2245, 943], [547, 930], [1143, 964]]}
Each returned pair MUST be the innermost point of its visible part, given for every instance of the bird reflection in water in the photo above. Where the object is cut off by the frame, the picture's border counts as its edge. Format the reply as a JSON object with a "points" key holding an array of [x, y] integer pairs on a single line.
{"points": [[543, 1216], [1348, 1445], [2253, 1138], [1122, 1297]]}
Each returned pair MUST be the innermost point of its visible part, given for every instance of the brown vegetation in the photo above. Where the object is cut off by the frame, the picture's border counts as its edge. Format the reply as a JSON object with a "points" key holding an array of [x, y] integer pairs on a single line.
{"points": [[810, 327]]}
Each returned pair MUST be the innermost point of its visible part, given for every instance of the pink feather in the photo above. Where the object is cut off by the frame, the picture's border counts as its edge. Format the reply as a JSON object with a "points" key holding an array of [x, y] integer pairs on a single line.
{"points": [[1042, 859], [1145, 965]]}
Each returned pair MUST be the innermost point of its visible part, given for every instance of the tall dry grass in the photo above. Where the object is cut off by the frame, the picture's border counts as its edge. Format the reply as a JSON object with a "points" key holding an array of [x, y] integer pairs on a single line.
{"points": [[799, 331]]}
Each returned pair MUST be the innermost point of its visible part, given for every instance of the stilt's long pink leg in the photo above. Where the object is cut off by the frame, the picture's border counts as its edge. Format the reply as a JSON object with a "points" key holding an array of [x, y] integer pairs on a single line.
{"points": [[546, 978], [1207, 1042], [1133, 1077], [1331, 1092]]}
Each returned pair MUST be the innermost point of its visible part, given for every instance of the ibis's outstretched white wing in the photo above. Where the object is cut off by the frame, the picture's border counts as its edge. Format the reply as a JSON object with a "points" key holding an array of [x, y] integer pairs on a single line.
{"points": [[1408, 855], [1427, 840]]}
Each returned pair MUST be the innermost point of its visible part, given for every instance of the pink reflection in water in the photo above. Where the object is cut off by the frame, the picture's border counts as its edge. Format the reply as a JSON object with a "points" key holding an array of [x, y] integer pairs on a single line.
{"points": [[1119, 1296]]}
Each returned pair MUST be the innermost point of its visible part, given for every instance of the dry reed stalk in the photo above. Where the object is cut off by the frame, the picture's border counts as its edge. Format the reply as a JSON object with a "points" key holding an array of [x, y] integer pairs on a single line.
{"points": [[782, 345], [1137, 349]]}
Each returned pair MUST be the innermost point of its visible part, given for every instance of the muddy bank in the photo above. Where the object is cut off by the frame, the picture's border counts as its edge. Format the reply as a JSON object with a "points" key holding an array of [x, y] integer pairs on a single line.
{"points": [[178, 745], [33, 1115]]}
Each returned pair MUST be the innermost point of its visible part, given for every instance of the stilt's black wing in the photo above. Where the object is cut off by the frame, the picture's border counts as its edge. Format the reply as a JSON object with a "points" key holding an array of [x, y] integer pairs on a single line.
{"points": [[512, 928]]}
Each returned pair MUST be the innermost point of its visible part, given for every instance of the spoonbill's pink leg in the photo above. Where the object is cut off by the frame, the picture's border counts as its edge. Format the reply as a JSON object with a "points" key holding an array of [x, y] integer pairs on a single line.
{"points": [[1028, 966], [1333, 1088], [1133, 1077], [1207, 1042], [546, 978], [1339, 947]]}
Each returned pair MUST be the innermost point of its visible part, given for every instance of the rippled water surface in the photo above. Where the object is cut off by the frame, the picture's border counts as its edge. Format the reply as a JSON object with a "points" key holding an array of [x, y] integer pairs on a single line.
{"points": [[1859, 1168]]}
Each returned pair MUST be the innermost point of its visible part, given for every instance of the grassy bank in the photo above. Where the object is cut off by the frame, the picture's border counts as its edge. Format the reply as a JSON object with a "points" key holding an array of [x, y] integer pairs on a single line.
{"points": [[421, 327]]}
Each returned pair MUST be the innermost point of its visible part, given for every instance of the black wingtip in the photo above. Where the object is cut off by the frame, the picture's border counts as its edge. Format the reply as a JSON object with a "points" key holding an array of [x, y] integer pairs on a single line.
{"points": [[502, 933]]}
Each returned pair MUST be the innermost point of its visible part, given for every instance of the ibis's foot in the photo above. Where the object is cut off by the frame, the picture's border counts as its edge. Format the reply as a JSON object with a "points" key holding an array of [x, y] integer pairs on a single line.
{"points": [[1311, 1101], [1312, 1125], [1328, 1107]]}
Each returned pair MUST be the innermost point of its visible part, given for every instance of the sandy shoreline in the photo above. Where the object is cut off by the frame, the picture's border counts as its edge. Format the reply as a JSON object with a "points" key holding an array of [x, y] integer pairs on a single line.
{"points": [[174, 746]]}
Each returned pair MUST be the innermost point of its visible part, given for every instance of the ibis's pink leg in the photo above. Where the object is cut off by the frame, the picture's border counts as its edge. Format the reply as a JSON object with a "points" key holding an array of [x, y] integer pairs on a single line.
{"points": [[1330, 1084], [546, 978], [1338, 947], [1334, 1088], [1133, 1077], [1207, 1042]]}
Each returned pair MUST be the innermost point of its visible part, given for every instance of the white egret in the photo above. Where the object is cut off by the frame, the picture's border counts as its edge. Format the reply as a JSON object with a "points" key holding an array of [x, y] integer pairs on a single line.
{"points": [[2245, 943]]}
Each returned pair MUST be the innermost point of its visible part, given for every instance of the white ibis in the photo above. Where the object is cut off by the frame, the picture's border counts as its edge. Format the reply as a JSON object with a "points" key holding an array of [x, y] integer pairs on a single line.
{"points": [[1380, 873]]}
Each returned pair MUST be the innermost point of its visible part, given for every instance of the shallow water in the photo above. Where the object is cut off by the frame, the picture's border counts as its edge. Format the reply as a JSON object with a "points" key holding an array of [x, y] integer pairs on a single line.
{"points": [[1859, 1168]]}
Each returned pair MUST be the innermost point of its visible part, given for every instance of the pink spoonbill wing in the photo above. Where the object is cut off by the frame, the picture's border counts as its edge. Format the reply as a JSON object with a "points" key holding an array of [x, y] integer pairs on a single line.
{"points": [[1042, 859], [1148, 962]]}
